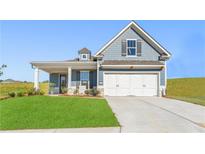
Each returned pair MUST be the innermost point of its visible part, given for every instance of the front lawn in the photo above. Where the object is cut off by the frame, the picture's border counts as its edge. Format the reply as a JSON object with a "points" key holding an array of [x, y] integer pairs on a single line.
{"points": [[187, 89], [37, 112]]}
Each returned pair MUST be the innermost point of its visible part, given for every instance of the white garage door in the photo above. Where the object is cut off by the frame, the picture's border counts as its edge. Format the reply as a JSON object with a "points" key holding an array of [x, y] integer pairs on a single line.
{"points": [[130, 84]]}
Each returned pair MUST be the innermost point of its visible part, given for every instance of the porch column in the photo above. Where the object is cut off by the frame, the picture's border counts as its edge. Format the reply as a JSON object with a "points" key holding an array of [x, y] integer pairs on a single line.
{"points": [[69, 77], [36, 78], [98, 65]]}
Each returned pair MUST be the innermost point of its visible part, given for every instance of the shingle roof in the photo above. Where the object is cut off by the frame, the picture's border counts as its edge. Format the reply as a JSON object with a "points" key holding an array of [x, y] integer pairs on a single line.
{"points": [[84, 51], [72, 60], [77, 59], [130, 62]]}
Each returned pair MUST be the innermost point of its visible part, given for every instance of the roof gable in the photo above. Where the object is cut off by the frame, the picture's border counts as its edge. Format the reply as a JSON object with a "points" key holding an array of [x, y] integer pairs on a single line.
{"points": [[143, 34], [84, 51]]}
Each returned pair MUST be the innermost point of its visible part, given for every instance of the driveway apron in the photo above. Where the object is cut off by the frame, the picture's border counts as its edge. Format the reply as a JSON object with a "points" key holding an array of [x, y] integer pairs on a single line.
{"points": [[157, 115]]}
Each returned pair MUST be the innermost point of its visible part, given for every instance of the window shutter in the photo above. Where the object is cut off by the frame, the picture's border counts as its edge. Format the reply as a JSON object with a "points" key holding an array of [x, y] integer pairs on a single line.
{"points": [[139, 47], [123, 48]]}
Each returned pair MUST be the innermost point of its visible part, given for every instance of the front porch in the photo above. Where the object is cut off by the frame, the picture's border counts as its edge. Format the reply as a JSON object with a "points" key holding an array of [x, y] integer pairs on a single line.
{"points": [[79, 80], [67, 77]]}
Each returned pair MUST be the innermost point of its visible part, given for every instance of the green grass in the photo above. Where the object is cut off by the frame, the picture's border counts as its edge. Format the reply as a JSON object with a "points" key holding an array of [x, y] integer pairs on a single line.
{"points": [[187, 89], [5, 88], [38, 112]]}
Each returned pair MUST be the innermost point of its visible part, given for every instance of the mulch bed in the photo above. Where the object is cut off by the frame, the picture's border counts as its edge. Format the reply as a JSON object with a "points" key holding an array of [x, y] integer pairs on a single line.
{"points": [[83, 96]]}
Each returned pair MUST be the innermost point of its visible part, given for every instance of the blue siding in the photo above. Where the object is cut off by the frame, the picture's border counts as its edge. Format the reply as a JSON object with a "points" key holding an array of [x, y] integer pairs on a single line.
{"points": [[75, 75], [54, 82], [162, 77], [75, 78], [93, 79], [113, 52]]}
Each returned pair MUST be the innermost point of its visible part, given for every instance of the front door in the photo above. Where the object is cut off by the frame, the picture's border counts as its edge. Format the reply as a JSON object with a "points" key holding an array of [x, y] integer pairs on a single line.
{"points": [[63, 83]]}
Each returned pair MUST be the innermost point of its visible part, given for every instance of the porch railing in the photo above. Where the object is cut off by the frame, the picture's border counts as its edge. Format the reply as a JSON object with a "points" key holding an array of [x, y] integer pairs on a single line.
{"points": [[78, 83], [75, 83]]}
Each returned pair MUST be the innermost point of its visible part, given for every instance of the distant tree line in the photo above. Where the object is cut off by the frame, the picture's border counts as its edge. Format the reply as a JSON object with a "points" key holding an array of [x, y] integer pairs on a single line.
{"points": [[1, 69]]}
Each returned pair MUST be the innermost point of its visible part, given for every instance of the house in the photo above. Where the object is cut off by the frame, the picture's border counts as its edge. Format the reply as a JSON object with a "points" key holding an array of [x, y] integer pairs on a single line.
{"points": [[131, 63]]}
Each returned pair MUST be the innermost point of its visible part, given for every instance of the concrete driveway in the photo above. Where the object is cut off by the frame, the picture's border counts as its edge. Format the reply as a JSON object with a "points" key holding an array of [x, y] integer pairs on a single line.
{"points": [[157, 115]]}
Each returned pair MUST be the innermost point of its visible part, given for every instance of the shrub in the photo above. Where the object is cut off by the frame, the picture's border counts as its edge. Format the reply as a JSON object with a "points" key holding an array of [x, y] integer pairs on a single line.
{"points": [[94, 92], [64, 90], [42, 92], [20, 94], [37, 92], [12, 94], [76, 91], [87, 92], [30, 92]]}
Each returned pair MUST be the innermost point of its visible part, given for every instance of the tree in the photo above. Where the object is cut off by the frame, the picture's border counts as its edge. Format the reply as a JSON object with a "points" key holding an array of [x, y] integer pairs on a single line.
{"points": [[1, 69]]}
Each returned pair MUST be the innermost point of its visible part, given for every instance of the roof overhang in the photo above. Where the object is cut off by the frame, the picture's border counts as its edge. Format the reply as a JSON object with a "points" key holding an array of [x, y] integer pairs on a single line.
{"points": [[132, 66], [61, 66], [143, 34]]}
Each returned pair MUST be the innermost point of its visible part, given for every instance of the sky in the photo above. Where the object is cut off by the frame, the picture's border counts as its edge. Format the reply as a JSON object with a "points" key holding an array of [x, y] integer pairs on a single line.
{"points": [[24, 41]]}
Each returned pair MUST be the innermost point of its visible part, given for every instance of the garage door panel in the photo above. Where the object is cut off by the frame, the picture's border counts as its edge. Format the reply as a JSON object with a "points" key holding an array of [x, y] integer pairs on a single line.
{"points": [[149, 92], [122, 92], [123, 81], [110, 92], [135, 81], [110, 81], [150, 81], [130, 84], [150, 84], [136, 92]]}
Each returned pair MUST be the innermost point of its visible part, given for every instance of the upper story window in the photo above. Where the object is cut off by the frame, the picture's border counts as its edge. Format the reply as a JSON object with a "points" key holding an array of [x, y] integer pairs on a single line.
{"points": [[131, 47], [84, 57]]}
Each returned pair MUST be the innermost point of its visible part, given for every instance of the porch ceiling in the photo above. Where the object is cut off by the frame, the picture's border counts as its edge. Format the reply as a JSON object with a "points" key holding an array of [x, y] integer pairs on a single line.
{"points": [[62, 67]]}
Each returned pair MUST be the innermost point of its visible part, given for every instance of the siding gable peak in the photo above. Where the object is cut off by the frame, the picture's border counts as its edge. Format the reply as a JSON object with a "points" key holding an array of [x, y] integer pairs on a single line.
{"points": [[133, 25]]}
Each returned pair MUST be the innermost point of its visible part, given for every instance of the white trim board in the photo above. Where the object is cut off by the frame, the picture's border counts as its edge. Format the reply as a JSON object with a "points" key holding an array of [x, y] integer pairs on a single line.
{"points": [[127, 55], [134, 66], [165, 76]]}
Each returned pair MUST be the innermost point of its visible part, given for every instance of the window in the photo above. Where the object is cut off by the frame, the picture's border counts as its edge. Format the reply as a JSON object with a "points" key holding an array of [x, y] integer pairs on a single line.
{"points": [[84, 56], [84, 78], [131, 47], [84, 75]]}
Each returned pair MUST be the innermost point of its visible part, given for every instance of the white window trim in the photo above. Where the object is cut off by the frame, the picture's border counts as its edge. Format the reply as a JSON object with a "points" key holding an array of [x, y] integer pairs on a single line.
{"points": [[131, 47], [84, 55], [86, 80], [85, 72]]}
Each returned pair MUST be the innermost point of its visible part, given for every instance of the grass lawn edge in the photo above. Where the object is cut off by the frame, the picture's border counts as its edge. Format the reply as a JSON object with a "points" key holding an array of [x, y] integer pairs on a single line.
{"points": [[186, 99], [88, 101]]}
